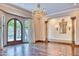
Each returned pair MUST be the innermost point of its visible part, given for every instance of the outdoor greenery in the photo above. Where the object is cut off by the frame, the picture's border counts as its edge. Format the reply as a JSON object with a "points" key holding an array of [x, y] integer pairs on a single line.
{"points": [[18, 30]]}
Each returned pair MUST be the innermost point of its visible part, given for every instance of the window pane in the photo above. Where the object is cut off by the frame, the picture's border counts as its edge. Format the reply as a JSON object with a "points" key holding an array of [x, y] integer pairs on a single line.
{"points": [[18, 30], [26, 31], [11, 30]]}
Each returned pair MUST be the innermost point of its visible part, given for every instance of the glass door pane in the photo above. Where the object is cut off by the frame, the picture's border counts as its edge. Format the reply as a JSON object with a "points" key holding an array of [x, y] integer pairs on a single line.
{"points": [[26, 31], [18, 30], [11, 30]]}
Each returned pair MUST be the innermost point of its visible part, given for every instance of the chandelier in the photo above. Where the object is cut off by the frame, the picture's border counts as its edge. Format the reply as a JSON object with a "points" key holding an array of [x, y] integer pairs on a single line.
{"points": [[38, 13]]}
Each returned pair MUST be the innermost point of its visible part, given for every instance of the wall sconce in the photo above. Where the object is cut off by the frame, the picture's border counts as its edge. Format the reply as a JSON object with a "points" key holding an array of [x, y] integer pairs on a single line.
{"points": [[57, 28], [69, 26]]}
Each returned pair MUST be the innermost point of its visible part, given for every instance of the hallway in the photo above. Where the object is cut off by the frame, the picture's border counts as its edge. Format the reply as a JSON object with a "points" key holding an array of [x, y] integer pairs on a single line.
{"points": [[40, 49]]}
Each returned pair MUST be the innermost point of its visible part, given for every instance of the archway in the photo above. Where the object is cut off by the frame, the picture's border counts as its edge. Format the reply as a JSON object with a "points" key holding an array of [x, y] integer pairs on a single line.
{"points": [[14, 31]]}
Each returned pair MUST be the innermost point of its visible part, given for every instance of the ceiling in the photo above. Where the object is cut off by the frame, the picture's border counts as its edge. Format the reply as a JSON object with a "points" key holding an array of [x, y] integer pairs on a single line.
{"points": [[48, 7]]}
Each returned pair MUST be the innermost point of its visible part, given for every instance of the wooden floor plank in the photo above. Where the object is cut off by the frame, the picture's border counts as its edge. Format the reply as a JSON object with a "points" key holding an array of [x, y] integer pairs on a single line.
{"points": [[40, 49]]}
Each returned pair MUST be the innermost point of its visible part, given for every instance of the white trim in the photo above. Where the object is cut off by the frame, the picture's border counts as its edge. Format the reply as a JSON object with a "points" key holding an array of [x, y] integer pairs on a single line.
{"points": [[18, 7], [15, 10], [66, 12]]}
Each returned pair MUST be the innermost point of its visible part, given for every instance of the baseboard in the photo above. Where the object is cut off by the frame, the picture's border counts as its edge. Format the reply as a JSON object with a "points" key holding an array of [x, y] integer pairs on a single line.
{"points": [[1, 48], [60, 41], [15, 44], [37, 41]]}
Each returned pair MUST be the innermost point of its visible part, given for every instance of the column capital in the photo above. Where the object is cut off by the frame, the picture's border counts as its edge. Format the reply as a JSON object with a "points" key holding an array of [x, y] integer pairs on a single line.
{"points": [[46, 21], [73, 18]]}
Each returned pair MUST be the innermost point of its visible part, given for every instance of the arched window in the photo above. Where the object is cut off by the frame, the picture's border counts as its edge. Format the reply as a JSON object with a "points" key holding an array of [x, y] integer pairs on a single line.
{"points": [[14, 31]]}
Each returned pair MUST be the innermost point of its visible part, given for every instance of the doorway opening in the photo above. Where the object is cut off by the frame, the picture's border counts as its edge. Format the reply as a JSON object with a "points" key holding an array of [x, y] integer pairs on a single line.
{"points": [[14, 31]]}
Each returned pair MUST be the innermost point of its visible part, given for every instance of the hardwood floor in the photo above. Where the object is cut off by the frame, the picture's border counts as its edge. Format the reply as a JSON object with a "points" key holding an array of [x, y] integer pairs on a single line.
{"points": [[40, 49]]}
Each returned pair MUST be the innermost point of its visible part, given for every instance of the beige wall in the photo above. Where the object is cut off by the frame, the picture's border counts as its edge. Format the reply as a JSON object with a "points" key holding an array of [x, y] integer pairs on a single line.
{"points": [[77, 31], [54, 34]]}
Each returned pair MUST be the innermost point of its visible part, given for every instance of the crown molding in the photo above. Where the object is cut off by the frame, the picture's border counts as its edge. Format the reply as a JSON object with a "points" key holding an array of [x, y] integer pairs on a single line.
{"points": [[66, 12], [11, 9], [21, 8]]}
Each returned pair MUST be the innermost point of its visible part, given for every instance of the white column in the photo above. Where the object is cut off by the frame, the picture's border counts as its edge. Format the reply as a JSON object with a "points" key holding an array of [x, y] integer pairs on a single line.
{"points": [[23, 31], [1, 34], [2, 31], [32, 31], [37, 29]]}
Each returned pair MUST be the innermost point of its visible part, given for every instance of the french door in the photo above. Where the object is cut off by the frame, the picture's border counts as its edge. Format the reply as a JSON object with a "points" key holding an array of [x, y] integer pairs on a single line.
{"points": [[27, 31], [14, 32]]}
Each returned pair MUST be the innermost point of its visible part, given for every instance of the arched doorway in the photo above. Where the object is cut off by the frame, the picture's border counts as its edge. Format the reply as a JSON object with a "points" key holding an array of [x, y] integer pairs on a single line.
{"points": [[14, 31]]}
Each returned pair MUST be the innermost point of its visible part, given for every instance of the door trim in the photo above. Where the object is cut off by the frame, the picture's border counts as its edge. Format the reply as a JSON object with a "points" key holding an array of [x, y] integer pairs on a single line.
{"points": [[15, 42]]}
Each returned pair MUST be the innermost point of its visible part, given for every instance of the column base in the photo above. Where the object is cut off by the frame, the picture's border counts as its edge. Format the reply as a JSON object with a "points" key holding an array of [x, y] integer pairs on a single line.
{"points": [[1, 48]]}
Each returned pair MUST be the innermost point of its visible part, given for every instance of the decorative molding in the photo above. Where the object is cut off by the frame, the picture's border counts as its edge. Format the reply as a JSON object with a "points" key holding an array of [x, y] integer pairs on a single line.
{"points": [[18, 7], [15, 14], [15, 10], [63, 12]]}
